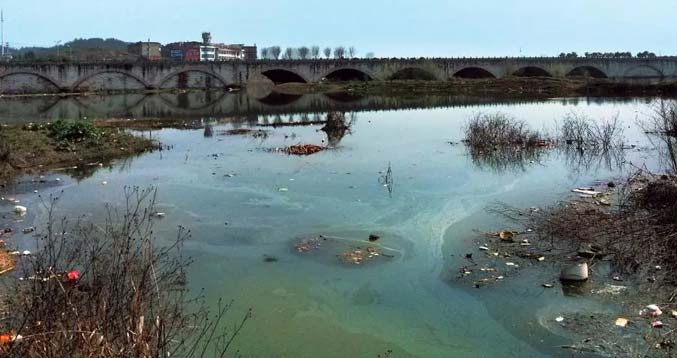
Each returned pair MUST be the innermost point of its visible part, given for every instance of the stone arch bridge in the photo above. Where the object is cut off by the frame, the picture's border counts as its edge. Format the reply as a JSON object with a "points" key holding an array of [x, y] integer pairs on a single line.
{"points": [[95, 77]]}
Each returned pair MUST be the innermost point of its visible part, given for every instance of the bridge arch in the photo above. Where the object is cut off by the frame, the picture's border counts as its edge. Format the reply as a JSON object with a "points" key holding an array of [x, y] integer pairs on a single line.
{"points": [[587, 71], [643, 71], [184, 82], [125, 74], [473, 73], [413, 73], [347, 74], [40, 76], [280, 76], [531, 71]]}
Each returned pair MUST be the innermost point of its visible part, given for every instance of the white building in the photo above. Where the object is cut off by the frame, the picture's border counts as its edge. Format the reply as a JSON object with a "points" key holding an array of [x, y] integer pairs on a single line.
{"points": [[229, 52], [207, 53]]}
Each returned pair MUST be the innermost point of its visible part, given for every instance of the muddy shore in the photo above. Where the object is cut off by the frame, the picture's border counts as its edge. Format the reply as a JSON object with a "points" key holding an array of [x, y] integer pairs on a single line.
{"points": [[533, 87], [31, 149]]}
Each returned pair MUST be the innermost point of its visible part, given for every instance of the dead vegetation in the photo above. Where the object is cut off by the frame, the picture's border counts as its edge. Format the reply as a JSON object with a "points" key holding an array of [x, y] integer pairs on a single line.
{"points": [[503, 143], [301, 149], [500, 142], [490, 131], [108, 290]]}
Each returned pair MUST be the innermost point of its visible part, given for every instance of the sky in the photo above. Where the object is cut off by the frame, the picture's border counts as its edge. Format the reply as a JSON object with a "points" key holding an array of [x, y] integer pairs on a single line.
{"points": [[388, 28]]}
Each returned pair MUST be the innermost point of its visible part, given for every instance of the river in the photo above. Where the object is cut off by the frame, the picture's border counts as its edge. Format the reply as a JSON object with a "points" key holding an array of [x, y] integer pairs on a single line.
{"points": [[244, 204]]}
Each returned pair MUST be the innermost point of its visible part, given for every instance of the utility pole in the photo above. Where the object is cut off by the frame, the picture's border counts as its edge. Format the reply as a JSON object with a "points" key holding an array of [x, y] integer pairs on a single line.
{"points": [[2, 31]]}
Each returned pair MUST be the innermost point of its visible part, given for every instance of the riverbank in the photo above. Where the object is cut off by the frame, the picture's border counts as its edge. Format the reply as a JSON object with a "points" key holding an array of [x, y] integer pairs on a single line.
{"points": [[515, 87], [29, 149]]}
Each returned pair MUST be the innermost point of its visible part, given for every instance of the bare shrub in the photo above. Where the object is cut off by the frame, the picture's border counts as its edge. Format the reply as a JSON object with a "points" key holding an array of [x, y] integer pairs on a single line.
{"points": [[128, 297], [588, 134], [590, 144], [501, 142], [498, 129], [661, 128]]}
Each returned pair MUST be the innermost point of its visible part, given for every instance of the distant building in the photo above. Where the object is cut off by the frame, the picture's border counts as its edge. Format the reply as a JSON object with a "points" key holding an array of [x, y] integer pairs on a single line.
{"points": [[182, 51], [250, 52], [206, 51], [148, 50]]}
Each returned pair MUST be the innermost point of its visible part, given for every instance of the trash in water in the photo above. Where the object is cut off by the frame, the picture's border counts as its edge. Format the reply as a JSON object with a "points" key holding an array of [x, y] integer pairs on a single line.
{"points": [[548, 285], [657, 324], [373, 237], [72, 276], [282, 190], [673, 313], [506, 235], [158, 214], [511, 264], [541, 258], [7, 263], [20, 210], [28, 230], [484, 248], [358, 255], [651, 311], [104, 183], [575, 272], [610, 290], [621, 322], [587, 191], [559, 319], [308, 244]]}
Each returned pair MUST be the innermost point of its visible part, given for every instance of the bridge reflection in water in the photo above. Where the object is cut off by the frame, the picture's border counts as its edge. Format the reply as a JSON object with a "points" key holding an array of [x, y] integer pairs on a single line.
{"points": [[234, 106]]}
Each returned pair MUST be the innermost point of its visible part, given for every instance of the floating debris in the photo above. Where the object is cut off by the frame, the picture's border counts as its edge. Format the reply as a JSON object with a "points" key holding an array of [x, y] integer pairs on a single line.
{"points": [[621, 322], [651, 311], [358, 255], [373, 237], [7, 262], [308, 244], [559, 319], [20, 210], [301, 149], [507, 235]]}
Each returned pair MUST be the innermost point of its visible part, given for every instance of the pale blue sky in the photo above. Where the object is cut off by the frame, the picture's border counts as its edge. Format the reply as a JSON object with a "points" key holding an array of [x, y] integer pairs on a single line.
{"points": [[386, 27]]}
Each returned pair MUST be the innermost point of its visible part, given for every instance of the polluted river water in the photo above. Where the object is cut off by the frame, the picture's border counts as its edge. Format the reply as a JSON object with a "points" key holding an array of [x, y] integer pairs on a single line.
{"points": [[249, 209]]}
